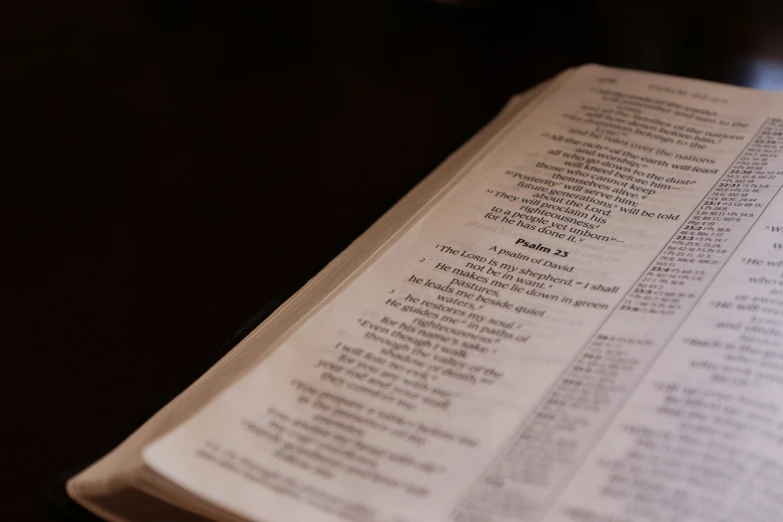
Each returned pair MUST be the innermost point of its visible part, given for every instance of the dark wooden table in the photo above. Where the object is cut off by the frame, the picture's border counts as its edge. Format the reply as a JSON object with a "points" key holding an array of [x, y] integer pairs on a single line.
{"points": [[169, 167]]}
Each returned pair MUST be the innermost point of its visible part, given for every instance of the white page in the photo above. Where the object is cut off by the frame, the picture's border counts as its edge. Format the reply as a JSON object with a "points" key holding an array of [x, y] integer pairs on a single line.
{"points": [[470, 370]]}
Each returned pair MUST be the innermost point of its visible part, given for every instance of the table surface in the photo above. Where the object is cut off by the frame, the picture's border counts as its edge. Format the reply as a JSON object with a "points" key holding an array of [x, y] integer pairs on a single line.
{"points": [[170, 167]]}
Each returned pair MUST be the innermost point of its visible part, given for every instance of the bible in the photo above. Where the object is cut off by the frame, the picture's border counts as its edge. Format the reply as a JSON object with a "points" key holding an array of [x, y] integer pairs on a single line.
{"points": [[576, 317]]}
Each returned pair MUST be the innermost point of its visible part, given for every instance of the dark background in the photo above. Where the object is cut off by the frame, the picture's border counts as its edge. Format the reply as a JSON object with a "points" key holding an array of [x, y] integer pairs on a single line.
{"points": [[170, 167]]}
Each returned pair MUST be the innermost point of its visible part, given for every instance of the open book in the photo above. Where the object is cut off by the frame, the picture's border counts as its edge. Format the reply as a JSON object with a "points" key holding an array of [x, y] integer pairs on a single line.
{"points": [[577, 317]]}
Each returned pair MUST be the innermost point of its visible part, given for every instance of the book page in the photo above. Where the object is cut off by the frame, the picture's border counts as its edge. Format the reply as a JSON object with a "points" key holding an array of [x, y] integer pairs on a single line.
{"points": [[502, 360]]}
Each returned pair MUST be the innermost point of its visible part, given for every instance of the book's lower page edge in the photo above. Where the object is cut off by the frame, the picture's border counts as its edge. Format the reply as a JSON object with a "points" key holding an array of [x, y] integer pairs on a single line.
{"points": [[131, 504]]}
